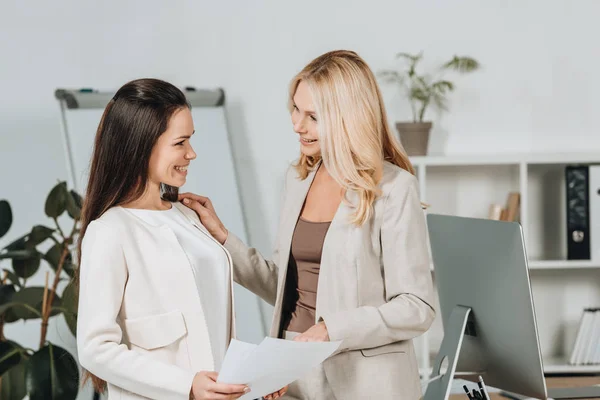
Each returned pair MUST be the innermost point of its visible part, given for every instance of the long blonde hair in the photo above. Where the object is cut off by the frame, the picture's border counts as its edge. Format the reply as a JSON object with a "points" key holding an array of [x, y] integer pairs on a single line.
{"points": [[354, 134]]}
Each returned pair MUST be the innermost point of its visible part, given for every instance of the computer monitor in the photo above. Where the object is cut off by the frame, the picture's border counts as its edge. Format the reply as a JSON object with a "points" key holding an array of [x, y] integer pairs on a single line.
{"points": [[482, 279]]}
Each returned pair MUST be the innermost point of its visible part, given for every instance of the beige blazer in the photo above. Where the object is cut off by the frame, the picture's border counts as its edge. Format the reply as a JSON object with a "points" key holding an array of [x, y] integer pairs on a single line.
{"points": [[141, 324], [375, 290]]}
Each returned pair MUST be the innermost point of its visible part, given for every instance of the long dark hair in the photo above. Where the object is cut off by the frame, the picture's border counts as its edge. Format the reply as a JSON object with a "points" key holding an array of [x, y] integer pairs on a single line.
{"points": [[129, 128]]}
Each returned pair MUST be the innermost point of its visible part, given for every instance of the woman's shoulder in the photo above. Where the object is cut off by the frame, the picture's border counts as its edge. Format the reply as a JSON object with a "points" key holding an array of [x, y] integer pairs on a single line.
{"points": [[396, 178], [291, 172], [113, 219]]}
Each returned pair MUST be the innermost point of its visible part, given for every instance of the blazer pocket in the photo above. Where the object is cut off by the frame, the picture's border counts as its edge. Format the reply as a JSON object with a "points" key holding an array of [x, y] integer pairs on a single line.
{"points": [[397, 347], [156, 331]]}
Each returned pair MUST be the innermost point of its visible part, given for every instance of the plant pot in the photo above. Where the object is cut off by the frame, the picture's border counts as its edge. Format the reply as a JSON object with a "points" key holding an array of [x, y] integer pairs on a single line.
{"points": [[414, 137]]}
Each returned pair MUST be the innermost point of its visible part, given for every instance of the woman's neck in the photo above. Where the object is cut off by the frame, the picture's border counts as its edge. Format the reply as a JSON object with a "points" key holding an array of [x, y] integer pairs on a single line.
{"points": [[149, 200]]}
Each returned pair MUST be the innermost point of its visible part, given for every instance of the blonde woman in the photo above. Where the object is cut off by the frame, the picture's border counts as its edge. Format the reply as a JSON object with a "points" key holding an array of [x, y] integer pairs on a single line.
{"points": [[351, 260]]}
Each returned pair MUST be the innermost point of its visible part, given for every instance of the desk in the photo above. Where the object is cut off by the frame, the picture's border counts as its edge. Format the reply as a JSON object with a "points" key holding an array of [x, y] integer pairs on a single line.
{"points": [[550, 382]]}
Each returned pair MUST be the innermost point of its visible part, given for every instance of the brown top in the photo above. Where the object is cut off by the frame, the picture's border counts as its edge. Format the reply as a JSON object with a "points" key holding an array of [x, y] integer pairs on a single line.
{"points": [[303, 275]]}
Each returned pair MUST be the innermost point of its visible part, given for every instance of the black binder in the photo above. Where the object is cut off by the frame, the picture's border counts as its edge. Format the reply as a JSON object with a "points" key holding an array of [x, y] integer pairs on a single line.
{"points": [[578, 212]]}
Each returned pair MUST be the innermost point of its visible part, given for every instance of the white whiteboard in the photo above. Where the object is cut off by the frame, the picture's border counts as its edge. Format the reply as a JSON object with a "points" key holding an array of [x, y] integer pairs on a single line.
{"points": [[211, 174]]}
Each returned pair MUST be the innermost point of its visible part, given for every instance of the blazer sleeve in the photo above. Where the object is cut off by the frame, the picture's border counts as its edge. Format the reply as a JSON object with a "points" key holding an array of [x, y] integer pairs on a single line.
{"points": [[250, 268], [103, 276], [408, 311]]}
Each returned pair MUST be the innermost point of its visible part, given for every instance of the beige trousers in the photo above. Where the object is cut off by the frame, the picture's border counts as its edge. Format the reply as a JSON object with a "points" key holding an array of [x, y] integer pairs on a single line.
{"points": [[313, 386]]}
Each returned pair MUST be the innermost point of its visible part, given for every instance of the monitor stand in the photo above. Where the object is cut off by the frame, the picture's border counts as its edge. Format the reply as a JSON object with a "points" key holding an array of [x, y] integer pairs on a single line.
{"points": [[439, 387]]}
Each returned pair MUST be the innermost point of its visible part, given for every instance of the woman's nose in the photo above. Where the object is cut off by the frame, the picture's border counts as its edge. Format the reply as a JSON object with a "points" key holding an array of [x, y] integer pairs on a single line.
{"points": [[299, 126], [191, 154]]}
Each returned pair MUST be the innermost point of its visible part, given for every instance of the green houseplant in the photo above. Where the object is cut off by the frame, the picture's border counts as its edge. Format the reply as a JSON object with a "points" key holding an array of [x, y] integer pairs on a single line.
{"points": [[49, 372], [423, 91]]}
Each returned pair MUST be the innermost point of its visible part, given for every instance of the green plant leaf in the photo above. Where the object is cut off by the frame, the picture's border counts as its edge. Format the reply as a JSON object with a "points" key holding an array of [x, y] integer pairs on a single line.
{"points": [[53, 258], [413, 60], [439, 100], [18, 244], [18, 254], [10, 355], [39, 234], [52, 374], [419, 94], [13, 277], [6, 295], [56, 202], [423, 82], [410, 57], [6, 217], [27, 303], [442, 86], [20, 310], [69, 303], [27, 267], [74, 204], [462, 64], [389, 76], [13, 382], [72, 209], [77, 197]]}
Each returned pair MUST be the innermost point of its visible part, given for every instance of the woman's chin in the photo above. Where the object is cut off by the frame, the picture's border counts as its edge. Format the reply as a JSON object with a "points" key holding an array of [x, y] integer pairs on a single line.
{"points": [[310, 152], [176, 183]]}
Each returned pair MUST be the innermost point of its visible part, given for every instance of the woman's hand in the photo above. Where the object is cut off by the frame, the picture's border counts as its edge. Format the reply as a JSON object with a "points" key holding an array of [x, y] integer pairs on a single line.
{"points": [[207, 214], [205, 387], [277, 394], [316, 333]]}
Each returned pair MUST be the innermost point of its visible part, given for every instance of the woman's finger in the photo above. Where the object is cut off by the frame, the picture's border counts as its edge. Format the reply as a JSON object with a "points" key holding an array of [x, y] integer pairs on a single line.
{"points": [[226, 388], [194, 205], [221, 396], [212, 375], [196, 197]]}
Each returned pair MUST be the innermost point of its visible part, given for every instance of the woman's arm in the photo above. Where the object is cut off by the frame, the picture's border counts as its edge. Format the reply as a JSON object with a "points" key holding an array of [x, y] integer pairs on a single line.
{"points": [[252, 270], [103, 276], [408, 311]]}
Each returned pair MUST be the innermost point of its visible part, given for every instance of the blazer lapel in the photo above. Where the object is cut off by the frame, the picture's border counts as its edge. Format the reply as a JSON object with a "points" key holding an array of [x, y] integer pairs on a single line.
{"points": [[297, 195], [332, 245], [195, 220], [297, 190]]}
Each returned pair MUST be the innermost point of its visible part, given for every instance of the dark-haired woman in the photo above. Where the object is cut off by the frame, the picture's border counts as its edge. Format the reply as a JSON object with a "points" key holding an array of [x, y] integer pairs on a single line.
{"points": [[155, 288]]}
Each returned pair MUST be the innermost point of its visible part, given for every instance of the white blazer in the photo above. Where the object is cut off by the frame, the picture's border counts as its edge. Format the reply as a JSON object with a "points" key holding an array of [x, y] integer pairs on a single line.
{"points": [[141, 324]]}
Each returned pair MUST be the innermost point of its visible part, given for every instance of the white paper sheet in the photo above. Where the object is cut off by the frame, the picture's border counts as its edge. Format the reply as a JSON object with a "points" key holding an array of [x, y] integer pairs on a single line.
{"points": [[272, 364]]}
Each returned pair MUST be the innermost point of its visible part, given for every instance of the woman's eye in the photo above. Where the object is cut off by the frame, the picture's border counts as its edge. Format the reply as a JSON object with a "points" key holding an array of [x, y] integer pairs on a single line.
{"points": [[180, 143], [313, 118]]}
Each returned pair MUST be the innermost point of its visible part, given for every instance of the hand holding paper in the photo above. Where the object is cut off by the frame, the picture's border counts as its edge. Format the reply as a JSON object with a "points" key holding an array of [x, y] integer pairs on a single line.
{"points": [[316, 333], [271, 365]]}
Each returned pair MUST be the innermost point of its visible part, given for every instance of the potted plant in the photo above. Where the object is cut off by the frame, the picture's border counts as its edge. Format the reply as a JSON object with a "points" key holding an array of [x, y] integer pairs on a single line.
{"points": [[423, 91], [49, 372]]}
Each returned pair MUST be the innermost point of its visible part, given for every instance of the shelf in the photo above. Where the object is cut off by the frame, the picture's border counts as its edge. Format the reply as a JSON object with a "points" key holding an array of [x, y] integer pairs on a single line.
{"points": [[560, 366], [505, 159], [557, 264], [465, 185], [563, 264], [551, 366]]}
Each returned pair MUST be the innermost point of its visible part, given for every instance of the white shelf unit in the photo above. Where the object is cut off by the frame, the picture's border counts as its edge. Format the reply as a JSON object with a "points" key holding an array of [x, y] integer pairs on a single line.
{"points": [[466, 185]]}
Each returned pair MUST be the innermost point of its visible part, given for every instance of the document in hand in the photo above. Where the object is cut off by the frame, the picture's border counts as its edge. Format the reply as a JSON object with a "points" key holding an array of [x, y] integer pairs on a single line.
{"points": [[272, 364]]}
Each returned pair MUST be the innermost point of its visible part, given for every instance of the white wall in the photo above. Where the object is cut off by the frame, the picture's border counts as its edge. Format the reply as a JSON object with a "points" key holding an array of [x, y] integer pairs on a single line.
{"points": [[537, 91]]}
